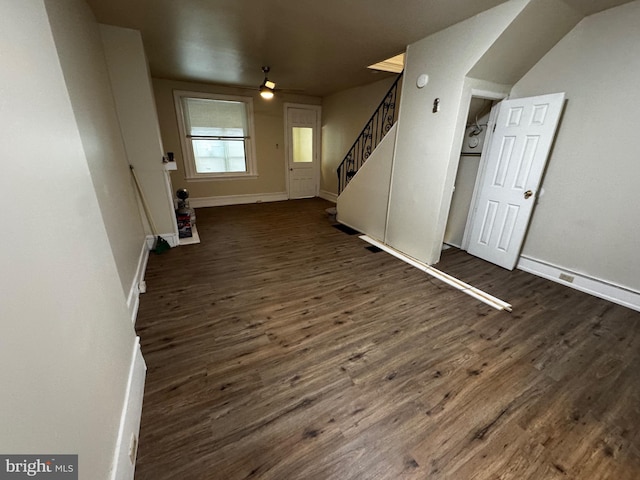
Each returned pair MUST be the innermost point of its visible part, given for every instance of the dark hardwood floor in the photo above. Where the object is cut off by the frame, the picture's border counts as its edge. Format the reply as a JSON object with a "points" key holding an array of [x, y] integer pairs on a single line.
{"points": [[282, 348]]}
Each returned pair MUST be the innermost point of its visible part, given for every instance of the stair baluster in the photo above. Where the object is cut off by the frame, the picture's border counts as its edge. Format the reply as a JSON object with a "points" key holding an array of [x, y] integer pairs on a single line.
{"points": [[373, 132]]}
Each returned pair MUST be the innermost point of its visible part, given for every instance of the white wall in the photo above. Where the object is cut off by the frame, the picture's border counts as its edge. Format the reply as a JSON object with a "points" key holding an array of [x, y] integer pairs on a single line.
{"points": [[66, 340], [362, 205], [526, 40], [461, 200], [588, 219], [136, 108], [81, 55], [269, 125], [428, 144]]}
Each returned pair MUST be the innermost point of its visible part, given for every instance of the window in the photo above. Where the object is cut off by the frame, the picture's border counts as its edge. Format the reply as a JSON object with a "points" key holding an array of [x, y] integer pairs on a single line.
{"points": [[302, 140], [217, 135]]}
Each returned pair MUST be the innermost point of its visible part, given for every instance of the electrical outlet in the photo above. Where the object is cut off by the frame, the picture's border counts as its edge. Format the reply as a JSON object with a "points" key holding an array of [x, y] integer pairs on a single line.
{"points": [[566, 278], [133, 448]]}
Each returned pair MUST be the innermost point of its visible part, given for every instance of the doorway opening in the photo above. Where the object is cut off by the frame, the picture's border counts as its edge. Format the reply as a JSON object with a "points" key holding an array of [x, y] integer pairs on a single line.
{"points": [[476, 139]]}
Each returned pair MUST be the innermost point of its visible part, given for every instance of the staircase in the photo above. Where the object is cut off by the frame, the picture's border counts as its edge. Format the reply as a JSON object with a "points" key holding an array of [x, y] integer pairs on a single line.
{"points": [[374, 131]]}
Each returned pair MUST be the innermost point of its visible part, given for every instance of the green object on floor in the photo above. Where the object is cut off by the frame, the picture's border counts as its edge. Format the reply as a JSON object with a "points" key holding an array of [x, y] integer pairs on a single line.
{"points": [[161, 245]]}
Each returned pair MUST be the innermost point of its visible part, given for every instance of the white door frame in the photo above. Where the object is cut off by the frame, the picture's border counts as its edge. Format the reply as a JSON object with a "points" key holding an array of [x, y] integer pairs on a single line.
{"points": [[482, 165], [317, 140]]}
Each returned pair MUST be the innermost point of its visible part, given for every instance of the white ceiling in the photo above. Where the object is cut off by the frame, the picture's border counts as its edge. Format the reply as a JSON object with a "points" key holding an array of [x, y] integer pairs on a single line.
{"points": [[315, 46]]}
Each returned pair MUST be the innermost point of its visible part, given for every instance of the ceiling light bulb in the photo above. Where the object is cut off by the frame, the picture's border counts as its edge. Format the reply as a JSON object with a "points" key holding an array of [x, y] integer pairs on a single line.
{"points": [[266, 92]]}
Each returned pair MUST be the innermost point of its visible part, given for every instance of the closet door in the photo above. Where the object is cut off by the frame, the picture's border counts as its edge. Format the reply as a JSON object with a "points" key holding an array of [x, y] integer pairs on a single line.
{"points": [[518, 152]]}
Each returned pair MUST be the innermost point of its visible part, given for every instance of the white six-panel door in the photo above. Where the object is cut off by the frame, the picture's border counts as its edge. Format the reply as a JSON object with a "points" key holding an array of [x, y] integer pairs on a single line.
{"points": [[517, 155]]}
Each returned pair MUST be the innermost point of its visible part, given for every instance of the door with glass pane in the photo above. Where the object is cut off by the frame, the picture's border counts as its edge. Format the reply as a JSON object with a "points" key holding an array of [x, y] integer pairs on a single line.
{"points": [[302, 150]]}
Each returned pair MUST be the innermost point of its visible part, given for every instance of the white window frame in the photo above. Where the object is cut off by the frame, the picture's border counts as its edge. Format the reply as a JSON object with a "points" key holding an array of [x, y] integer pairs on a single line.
{"points": [[187, 147]]}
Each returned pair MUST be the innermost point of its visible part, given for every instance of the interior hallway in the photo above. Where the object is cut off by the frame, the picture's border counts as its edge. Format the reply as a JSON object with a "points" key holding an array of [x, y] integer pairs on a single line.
{"points": [[282, 348]]}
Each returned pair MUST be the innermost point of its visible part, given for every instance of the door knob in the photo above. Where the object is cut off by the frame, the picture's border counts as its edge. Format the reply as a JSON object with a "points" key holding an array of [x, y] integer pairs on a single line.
{"points": [[527, 194]]}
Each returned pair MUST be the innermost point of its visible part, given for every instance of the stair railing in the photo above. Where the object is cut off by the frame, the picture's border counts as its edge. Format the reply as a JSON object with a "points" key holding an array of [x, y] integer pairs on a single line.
{"points": [[374, 131]]}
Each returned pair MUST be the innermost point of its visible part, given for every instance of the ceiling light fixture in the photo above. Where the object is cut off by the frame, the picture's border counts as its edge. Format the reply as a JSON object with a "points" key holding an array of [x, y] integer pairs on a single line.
{"points": [[266, 92], [267, 87]]}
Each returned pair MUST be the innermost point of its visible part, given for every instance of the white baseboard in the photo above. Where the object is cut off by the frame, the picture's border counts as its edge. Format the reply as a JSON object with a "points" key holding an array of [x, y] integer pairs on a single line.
{"points": [[129, 431], [172, 238], [442, 276], [133, 299], [332, 197], [237, 199], [593, 286]]}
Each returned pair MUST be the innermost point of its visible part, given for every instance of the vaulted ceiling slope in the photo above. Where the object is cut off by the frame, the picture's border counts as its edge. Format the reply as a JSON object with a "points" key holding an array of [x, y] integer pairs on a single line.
{"points": [[540, 25], [314, 47]]}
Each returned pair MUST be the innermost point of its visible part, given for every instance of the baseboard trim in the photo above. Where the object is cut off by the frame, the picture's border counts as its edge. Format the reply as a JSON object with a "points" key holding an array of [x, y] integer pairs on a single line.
{"points": [[237, 199], [129, 430], [594, 286], [332, 197], [442, 276], [172, 239], [133, 300]]}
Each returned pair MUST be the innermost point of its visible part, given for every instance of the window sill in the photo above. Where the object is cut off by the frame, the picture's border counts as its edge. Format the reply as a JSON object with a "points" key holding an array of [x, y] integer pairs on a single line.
{"points": [[222, 177]]}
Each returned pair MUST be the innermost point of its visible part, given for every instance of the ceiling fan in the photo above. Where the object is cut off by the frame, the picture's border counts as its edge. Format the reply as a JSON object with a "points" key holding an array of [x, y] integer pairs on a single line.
{"points": [[267, 87]]}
